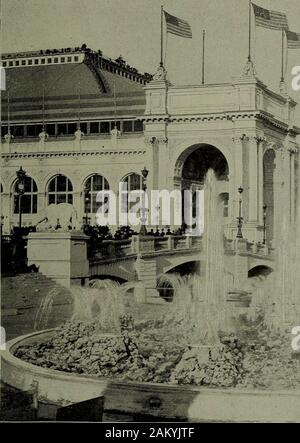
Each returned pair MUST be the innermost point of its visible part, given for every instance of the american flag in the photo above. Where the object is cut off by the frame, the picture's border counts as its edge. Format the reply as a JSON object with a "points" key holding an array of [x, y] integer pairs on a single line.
{"points": [[269, 19], [293, 40], [177, 26]]}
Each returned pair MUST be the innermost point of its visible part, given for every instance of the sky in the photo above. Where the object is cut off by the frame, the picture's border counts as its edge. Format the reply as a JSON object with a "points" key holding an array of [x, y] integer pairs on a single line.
{"points": [[132, 28]]}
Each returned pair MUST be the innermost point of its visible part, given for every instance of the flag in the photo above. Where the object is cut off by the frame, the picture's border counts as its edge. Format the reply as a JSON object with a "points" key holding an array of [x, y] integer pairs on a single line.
{"points": [[270, 19], [293, 40], [177, 26]]}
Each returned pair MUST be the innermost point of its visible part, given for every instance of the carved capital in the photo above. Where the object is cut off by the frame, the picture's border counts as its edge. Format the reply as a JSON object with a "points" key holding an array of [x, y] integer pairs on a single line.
{"points": [[150, 140], [260, 139], [156, 140], [240, 138], [163, 140], [293, 150]]}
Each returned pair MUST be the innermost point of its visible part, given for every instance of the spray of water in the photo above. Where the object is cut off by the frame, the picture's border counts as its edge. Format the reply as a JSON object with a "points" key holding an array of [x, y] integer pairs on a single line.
{"points": [[281, 289], [215, 279], [101, 301], [44, 310], [199, 300]]}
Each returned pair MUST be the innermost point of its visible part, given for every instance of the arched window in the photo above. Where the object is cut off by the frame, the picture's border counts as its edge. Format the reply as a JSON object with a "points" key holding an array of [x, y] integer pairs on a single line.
{"points": [[94, 184], [29, 198], [60, 190], [132, 182]]}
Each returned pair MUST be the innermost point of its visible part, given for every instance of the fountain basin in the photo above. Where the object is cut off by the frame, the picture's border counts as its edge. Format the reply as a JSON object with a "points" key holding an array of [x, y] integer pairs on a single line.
{"points": [[158, 400]]}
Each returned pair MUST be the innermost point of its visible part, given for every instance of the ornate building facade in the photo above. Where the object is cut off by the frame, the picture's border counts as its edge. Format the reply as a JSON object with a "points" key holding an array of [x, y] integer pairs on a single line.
{"points": [[73, 119]]}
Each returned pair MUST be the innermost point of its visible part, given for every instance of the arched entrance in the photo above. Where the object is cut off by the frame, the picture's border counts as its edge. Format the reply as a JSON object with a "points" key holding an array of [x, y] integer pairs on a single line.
{"points": [[268, 191], [260, 270], [192, 167]]}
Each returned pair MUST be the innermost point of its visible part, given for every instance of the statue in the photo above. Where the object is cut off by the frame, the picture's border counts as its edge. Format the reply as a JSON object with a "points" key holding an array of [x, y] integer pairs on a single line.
{"points": [[8, 137], [160, 74], [43, 136], [78, 134], [249, 70], [62, 216]]}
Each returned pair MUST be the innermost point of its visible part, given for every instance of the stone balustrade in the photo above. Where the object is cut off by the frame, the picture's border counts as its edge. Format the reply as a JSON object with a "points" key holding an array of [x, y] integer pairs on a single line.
{"points": [[137, 244], [142, 245]]}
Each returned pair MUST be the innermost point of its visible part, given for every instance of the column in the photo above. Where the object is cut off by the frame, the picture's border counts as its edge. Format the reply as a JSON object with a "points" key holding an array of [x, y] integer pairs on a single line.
{"points": [[253, 178], [236, 178], [260, 178], [163, 163], [41, 202], [292, 184], [281, 191]]}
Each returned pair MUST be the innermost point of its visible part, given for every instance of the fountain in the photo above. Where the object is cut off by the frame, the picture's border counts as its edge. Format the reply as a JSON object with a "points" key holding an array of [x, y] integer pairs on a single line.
{"points": [[44, 310], [191, 343], [101, 301]]}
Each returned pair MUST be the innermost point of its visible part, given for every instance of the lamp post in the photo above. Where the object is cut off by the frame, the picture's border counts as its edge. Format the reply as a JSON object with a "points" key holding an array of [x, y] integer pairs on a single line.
{"points": [[143, 230], [87, 198], [265, 225], [20, 189], [240, 218]]}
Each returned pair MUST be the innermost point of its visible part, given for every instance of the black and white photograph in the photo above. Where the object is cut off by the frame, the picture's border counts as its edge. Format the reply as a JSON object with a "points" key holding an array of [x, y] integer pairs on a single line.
{"points": [[150, 214]]}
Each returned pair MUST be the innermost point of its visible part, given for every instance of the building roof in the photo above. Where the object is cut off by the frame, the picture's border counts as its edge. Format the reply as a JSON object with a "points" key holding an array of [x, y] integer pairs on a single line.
{"points": [[95, 87]]}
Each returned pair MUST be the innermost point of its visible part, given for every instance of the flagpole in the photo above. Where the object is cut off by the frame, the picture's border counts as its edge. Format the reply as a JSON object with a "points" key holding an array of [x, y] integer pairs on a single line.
{"points": [[161, 37], [250, 23], [203, 58], [43, 104], [282, 57]]}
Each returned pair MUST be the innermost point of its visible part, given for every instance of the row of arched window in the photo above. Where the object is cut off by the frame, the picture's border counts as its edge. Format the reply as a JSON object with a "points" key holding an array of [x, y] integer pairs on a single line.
{"points": [[60, 190]]}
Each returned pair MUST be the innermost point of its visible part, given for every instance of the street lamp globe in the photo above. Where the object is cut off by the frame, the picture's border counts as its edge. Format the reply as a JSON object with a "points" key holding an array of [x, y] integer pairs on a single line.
{"points": [[21, 174], [145, 172]]}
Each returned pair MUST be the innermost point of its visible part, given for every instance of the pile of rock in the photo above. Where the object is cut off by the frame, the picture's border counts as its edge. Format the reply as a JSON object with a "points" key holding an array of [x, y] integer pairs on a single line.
{"points": [[223, 366], [149, 352], [79, 347]]}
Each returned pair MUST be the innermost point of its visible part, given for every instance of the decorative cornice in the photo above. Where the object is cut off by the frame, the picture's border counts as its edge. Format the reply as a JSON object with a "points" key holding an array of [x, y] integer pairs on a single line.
{"points": [[265, 116], [45, 155], [159, 118]]}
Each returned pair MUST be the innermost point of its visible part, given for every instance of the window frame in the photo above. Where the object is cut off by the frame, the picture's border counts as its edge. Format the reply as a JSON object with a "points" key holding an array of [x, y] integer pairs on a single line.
{"points": [[66, 192]]}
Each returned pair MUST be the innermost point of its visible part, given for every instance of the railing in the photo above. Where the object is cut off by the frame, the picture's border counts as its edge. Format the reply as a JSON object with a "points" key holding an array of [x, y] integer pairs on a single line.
{"points": [[244, 246], [106, 249], [110, 249], [151, 244]]}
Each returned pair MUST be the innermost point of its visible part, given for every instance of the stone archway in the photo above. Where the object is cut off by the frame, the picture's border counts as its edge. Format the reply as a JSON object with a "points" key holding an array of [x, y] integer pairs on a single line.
{"points": [[259, 270], [268, 191], [194, 162], [191, 169]]}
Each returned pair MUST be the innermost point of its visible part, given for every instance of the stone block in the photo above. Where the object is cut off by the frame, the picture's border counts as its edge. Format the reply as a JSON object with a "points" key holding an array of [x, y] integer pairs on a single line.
{"points": [[59, 255]]}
